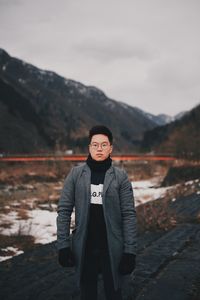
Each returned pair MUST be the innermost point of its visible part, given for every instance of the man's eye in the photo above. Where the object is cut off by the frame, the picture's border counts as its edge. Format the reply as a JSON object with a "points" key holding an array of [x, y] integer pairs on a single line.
{"points": [[94, 145]]}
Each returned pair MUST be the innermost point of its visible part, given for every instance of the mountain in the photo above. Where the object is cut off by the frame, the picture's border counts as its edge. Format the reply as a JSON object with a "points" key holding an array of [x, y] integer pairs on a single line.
{"points": [[180, 137], [20, 125], [162, 119], [180, 115], [159, 120], [41, 111]]}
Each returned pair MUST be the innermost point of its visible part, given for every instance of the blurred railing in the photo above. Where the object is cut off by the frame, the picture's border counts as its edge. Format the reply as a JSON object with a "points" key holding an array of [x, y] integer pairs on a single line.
{"points": [[82, 157]]}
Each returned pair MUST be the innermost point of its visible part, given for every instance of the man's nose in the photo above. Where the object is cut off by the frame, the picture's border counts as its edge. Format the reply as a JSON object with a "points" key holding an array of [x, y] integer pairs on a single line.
{"points": [[99, 147]]}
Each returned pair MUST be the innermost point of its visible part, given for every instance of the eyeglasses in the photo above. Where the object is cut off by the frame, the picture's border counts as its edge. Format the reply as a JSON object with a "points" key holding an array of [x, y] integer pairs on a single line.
{"points": [[103, 146]]}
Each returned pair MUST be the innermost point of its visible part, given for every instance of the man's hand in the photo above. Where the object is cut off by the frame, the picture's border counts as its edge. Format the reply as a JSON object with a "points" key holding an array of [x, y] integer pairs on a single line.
{"points": [[127, 263], [66, 257]]}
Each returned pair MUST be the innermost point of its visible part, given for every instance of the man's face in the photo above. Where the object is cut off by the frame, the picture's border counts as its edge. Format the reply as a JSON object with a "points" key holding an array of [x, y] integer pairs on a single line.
{"points": [[100, 147]]}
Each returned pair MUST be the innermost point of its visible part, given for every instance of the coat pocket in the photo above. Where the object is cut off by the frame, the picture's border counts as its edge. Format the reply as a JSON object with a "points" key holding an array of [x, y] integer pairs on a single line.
{"points": [[75, 232]]}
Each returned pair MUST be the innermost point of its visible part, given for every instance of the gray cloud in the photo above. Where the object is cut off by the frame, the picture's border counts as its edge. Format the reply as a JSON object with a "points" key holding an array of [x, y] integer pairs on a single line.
{"points": [[110, 49], [145, 53]]}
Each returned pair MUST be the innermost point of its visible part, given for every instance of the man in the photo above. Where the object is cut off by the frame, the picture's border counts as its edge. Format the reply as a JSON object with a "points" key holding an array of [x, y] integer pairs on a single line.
{"points": [[104, 238]]}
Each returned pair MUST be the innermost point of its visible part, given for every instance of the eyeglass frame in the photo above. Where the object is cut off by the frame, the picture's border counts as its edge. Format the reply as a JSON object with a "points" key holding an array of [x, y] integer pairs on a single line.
{"points": [[99, 144]]}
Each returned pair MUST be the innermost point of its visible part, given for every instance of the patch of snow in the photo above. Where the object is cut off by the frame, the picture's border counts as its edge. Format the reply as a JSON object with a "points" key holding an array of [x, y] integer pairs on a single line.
{"points": [[42, 72], [16, 204], [147, 190], [57, 188], [109, 103], [52, 206], [124, 105], [82, 90], [41, 224], [29, 186], [53, 197], [29, 200], [9, 188], [190, 182], [2, 258], [15, 250]]}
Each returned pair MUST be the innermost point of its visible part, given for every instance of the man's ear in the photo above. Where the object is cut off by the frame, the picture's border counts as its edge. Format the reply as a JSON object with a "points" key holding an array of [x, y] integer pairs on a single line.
{"points": [[111, 148]]}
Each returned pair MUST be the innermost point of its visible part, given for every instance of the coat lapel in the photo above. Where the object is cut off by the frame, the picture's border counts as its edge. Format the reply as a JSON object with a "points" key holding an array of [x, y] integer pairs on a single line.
{"points": [[108, 178], [87, 179]]}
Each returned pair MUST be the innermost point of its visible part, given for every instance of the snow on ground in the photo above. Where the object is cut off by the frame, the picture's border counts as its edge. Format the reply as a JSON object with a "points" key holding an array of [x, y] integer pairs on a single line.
{"points": [[148, 190], [41, 220], [15, 252], [40, 223]]}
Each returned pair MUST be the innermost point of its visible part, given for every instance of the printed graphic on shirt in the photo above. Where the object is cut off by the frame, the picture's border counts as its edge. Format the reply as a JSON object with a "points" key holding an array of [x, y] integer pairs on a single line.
{"points": [[96, 193]]}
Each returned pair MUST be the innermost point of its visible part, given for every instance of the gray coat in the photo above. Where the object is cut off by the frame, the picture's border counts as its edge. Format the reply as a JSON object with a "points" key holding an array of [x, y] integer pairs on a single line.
{"points": [[119, 214]]}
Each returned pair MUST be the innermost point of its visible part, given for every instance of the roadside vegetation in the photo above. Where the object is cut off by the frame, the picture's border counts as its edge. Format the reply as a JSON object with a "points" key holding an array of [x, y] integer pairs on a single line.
{"points": [[32, 190]]}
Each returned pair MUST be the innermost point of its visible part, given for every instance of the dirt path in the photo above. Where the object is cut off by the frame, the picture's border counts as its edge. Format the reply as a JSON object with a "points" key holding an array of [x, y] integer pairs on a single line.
{"points": [[168, 267]]}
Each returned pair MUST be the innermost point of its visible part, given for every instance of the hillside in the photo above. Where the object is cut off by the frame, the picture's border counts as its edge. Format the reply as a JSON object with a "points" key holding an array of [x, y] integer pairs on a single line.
{"points": [[42, 111], [180, 137]]}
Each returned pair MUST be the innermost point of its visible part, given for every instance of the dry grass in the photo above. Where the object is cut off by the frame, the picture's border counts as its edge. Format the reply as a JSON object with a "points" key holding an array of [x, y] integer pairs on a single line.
{"points": [[22, 242], [21, 172], [22, 214], [155, 215], [143, 170], [5, 225]]}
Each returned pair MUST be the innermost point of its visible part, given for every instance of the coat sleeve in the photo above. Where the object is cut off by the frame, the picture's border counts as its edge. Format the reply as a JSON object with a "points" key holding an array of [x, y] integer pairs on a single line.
{"points": [[65, 208], [128, 213]]}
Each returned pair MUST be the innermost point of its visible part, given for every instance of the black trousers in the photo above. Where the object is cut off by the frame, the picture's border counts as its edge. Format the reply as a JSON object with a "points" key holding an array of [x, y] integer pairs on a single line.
{"points": [[94, 263]]}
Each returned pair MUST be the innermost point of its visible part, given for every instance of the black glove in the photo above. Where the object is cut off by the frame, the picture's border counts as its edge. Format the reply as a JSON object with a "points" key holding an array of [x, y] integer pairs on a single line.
{"points": [[127, 263], [66, 257]]}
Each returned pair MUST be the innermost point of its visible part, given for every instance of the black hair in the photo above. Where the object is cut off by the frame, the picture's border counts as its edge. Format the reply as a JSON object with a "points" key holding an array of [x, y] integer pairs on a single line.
{"points": [[101, 129]]}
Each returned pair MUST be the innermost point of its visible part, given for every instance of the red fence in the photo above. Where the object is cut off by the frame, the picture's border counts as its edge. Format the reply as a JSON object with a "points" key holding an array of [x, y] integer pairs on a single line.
{"points": [[82, 157]]}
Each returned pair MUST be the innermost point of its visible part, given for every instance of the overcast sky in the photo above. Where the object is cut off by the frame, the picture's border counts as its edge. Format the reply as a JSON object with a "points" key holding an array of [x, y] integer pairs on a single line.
{"points": [[142, 52]]}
